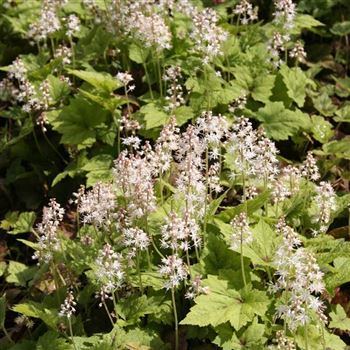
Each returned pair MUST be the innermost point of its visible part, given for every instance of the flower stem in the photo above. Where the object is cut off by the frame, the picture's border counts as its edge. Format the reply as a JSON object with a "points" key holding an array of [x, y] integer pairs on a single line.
{"points": [[176, 320], [139, 271], [71, 332], [242, 263]]}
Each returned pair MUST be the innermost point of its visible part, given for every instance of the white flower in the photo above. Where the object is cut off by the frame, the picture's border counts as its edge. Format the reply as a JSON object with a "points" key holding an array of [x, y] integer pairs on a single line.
{"points": [[174, 270]]}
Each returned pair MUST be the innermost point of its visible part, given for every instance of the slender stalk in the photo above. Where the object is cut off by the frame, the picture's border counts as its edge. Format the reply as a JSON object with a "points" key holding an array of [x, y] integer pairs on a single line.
{"points": [[139, 271], [53, 147], [148, 80], [155, 248], [115, 305], [242, 262], [7, 335], [306, 338], [71, 332], [108, 313], [175, 319], [159, 70]]}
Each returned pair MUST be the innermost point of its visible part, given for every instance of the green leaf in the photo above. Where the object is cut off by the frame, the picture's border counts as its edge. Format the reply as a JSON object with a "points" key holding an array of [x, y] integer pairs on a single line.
{"points": [[183, 114], [58, 88], [322, 130], [340, 275], [303, 21], [98, 169], [102, 81], [323, 103], [2, 310], [19, 273], [262, 88], [223, 304], [24, 223], [316, 337], [339, 319], [280, 123], [252, 205], [296, 81], [78, 121], [51, 340], [261, 250], [341, 28], [343, 114], [339, 148], [37, 310], [137, 53], [153, 116]]}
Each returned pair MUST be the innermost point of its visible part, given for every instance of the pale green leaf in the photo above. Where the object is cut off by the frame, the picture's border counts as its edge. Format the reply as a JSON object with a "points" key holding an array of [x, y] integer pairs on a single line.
{"points": [[102, 81], [279, 122], [153, 116], [19, 273], [296, 81], [183, 114], [24, 223], [223, 304], [339, 319], [78, 121], [322, 130], [339, 148], [262, 88], [341, 28]]}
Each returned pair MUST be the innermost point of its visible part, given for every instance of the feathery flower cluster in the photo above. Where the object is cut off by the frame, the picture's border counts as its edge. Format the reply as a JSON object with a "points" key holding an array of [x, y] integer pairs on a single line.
{"points": [[283, 342], [73, 25], [239, 103], [97, 205], [109, 273], [326, 202], [276, 46], [174, 270], [247, 13], [142, 20], [255, 155], [299, 277], [49, 242], [174, 92], [64, 53], [196, 288], [133, 177], [125, 78], [136, 238], [241, 232], [48, 22], [167, 143], [180, 233], [285, 13], [208, 37], [298, 52], [309, 168], [68, 306]]}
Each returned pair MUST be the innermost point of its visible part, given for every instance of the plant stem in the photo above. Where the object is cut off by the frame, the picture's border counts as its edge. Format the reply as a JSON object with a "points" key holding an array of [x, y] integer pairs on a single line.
{"points": [[242, 263], [306, 338], [148, 80], [138, 270], [71, 332], [176, 320], [7, 335], [108, 313], [159, 70]]}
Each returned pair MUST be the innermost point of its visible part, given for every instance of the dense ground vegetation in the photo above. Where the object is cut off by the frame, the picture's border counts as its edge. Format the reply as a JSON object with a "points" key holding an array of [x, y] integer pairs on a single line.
{"points": [[174, 174]]}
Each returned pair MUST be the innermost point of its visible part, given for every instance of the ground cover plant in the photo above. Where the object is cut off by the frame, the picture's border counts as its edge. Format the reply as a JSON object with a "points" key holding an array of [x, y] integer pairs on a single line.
{"points": [[174, 174]]}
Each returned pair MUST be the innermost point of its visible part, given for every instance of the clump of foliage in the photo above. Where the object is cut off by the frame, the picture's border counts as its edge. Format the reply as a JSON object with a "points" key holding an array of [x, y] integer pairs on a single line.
{"points": [[191, 159]]}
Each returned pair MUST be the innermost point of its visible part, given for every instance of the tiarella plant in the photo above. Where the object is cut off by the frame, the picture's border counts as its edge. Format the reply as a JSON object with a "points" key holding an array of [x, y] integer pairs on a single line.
{"points": [[191, 159]]}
